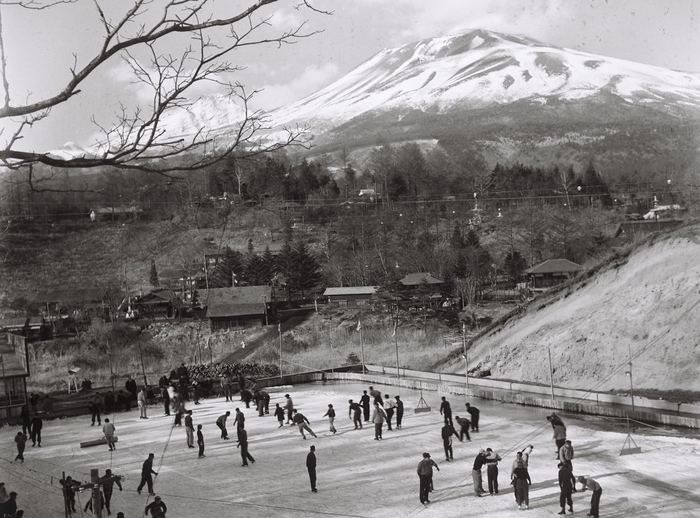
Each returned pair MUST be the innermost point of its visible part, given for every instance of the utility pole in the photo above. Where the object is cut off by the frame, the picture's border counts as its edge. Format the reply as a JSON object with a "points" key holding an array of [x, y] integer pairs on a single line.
{"points": [[629, 350], [396, 341], [466, 358], [65, 495], [95, 485], [551, 380], [362, 345], [279, 331]]}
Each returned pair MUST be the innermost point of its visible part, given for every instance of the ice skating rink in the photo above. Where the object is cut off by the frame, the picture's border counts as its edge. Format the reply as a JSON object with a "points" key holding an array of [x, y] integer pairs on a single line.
{"points": [[357, 476]]}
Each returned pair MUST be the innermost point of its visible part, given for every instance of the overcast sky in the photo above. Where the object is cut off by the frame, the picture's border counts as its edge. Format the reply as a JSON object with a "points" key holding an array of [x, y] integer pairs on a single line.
{"points": [[40, 46]]}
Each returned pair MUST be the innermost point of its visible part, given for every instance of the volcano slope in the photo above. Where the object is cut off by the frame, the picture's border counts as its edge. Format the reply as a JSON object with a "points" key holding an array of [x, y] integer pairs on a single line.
{"points": [[647, 302]]}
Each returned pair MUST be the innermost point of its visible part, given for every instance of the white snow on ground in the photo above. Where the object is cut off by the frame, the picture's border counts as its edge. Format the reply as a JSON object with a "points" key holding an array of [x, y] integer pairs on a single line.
{"points": [[357, 476]]}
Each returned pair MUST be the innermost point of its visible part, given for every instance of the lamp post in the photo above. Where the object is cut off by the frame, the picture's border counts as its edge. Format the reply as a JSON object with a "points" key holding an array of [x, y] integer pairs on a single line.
{"points": [[466, 358]]}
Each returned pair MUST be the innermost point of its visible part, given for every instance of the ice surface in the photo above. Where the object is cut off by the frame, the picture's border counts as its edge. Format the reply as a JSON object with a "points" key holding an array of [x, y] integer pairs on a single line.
{"points": [[357, 476]]}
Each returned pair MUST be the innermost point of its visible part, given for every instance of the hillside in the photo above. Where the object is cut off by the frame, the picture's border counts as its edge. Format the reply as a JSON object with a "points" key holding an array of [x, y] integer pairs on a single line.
{"points": [[648, 302]]}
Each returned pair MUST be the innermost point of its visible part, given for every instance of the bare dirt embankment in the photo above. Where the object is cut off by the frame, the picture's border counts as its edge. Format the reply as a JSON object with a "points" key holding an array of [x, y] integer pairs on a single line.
{"points": [[648, 302]]}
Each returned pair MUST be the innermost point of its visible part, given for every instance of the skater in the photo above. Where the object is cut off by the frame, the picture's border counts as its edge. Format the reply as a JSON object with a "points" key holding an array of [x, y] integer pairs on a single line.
{"points": [[95, 409], [446, 410], [447, 433], [243, 445], [389, 409], [141, 400], [189, 429], [10, 507], [221, 423], [354, 414], [37, 425], [26, 420], [522, 482], [4, 497], [69, 488], [226, 386], [108, 487], [492, 459], [131, 389], [179, 410], [474, 413], [166, 400], [425, 474], [266, 401], [476, 473], [463, 423], [279, 414], [311, 467], [399, 411], [522, 457], [289, 407], [200, 440], [566, 488], [364, 401], [378, 417], [259, 403], [376, 395], [21, 441], [559, 431], [589, 483], [108, 430], [566, 455], [303, 423], [157, 508], [331, 417], [146, 472], [239, 421]]}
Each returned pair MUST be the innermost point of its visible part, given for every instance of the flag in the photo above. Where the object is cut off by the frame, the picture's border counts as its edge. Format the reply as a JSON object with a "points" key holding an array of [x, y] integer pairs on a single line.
{"points": [[359, 325], [279, 327], [396, 323]]}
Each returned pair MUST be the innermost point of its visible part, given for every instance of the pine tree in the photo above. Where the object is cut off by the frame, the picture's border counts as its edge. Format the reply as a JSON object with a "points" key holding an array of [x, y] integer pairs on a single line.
{"points": [[514, 264], [268, 266], [457, 241], [307, 273], [154, 274]]}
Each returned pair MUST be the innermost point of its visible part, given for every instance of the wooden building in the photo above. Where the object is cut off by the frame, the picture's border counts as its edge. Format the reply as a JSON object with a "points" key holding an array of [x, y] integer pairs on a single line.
{"points": [[417, 279], [552, 272], [233, 307], [350, 295], [14, 369]]}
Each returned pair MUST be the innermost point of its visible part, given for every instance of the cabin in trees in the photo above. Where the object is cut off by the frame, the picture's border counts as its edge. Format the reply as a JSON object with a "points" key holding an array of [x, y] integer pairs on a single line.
{"points": [[243, 306], [350, 295], [418, 279], [552, 272], [14, 369], [159, 303]]}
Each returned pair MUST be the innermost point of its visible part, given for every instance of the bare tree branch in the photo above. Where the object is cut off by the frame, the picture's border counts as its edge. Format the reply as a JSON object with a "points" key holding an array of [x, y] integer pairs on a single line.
{"points": [[139, 140]]}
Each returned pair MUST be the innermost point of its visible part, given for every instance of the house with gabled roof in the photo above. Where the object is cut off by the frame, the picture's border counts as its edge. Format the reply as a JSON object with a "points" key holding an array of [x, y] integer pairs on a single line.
{"points": [[552, 272], [414, 280], [238, 306], [350, 295], [14, 370]]}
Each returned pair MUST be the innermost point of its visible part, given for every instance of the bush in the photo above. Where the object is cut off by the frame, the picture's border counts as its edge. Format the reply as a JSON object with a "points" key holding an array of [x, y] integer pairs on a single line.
{"points": [[352, 359]]}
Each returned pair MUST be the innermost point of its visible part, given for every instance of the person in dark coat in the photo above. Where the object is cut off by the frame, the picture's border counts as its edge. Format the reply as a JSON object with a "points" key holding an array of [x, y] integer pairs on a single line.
{"points": [[355, 413], [289, 407], [21, 441], [70, 486], [331, 418], [447, 433], [108, 488], [476, 473], [239, 421], [146, 472], [463, 423], [130, 386], [399, 411], [221, 423], [522, 482], [376, 395], [311, 467], [95, 408], [446, 411], [26, 420], [37, 425], [566, 488], [364, 401], [200, 440], [492, 460], [10, 507], [266, 401], [166, 400], [302, 422], [474, 413], [279, 414], [157, 508], [243, 445], [425, 474]]}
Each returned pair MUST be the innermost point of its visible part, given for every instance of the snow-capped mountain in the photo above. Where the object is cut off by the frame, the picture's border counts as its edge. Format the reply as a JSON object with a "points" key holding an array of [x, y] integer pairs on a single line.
{"points": [[70, 150], [478, 69]]}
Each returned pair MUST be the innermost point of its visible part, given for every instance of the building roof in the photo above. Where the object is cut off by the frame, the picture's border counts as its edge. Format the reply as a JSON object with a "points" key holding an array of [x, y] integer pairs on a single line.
{"points": [[236, 301], [555, 266], [74, 295], [179, 274], [13, 323], [350, 290], [416, 279]]}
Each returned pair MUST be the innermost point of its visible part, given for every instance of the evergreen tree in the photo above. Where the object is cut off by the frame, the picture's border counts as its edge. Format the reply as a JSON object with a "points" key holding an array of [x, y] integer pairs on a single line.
{"points": [[154, 274], [307, 274], [254, 269], [472, 239], [285, 265], [514, 264], [457, 241], [268, 266]]}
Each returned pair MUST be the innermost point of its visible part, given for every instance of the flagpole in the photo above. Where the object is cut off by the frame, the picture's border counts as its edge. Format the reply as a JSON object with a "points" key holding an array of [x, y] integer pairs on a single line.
{"points": [[362, 345], [279, 331], [396, 342]]}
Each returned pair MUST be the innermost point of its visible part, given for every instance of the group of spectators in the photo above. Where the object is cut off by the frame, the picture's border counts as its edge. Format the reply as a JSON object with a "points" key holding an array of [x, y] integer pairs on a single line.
{"points": [[203, 372], [8, 503]]}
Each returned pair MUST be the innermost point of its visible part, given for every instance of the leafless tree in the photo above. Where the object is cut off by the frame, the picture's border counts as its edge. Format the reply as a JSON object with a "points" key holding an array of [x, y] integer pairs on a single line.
{"points": [[169, 46]]}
